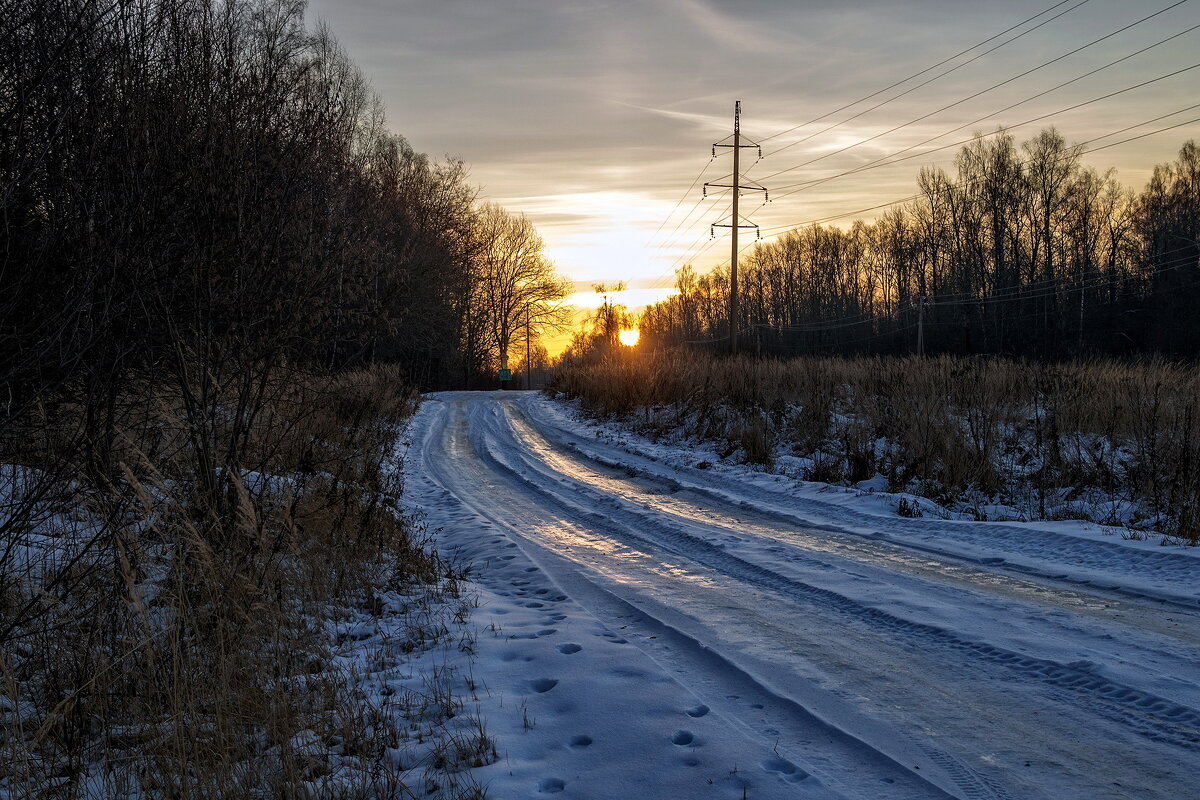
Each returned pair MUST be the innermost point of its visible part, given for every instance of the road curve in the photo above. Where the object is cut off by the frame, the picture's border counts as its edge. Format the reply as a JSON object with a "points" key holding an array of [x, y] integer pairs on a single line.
{"points": [[885, 665]]}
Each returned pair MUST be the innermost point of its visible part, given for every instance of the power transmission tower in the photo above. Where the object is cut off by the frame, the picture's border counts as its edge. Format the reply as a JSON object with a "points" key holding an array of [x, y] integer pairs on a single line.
{"points": [[735, 221]]}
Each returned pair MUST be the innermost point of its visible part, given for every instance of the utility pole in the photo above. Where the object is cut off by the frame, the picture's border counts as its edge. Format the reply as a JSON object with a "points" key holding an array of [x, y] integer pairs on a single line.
{"points": [[735, 221], [921, 325], [528, 367]]}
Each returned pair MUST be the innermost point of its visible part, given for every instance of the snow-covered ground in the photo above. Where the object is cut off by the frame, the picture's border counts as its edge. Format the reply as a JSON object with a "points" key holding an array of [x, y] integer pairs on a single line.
{"points": [[648, 627]]}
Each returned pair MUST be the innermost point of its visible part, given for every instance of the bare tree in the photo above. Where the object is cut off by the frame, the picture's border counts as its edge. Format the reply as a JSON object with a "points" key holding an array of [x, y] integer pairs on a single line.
{"points": [[517, 287], [1025, 251]]}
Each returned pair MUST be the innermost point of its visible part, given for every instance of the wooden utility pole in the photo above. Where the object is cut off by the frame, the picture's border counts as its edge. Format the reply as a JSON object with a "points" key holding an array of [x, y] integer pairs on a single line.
{"points": [[735, 221], [528, 368], [921, 325]]}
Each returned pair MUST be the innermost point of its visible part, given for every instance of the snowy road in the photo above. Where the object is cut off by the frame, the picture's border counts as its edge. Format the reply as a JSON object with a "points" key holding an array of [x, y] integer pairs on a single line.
{"points": [[833, 651]]}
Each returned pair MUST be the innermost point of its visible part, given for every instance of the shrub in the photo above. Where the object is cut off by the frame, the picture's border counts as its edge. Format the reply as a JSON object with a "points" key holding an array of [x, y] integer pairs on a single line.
{"points": [[954, 428]]}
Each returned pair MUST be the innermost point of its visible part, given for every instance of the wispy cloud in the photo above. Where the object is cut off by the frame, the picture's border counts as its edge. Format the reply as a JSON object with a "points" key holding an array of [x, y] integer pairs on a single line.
{"points": [[595, 116], [743, 28]]}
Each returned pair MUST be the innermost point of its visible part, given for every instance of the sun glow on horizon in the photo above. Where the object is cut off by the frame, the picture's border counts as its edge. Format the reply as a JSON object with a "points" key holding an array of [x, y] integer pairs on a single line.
{"points": [[605, 235], [629, 337], [632, 299]]}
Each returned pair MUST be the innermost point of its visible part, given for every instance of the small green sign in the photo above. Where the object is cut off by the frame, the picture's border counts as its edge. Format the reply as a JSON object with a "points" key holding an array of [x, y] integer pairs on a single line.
{"points": [[506, 374]]}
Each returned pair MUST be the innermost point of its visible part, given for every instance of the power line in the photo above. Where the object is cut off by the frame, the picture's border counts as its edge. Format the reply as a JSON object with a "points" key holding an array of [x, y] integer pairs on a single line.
{"points": [[688, 217], [898, 312], [978, 93], [1057, 5], [688, 191], [796, 226], [735, 220], [930, 69], [693, 251], [883, 161], [700, 201], [888, 160]]}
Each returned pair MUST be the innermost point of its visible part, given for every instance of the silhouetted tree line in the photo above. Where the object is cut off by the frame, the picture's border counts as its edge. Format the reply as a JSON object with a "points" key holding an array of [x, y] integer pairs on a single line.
{"points": [[1026, 252], [220, 278], [206, 181]]}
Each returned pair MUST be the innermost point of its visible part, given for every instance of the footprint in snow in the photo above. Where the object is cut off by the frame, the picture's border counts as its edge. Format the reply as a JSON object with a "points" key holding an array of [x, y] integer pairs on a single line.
{"points": [[698, 711], [543, 685], [784, 768], [628, 672], [580, 741], [682, 738], [551, 785], [569, 648]]}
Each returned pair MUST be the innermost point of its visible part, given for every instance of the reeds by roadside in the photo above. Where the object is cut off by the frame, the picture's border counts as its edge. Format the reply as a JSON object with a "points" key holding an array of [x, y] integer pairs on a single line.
{"points": [[167, 632], [1115, 442]]}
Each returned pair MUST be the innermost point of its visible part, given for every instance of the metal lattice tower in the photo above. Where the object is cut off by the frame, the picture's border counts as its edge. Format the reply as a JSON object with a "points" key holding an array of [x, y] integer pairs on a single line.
{"points": [[736, 222]]}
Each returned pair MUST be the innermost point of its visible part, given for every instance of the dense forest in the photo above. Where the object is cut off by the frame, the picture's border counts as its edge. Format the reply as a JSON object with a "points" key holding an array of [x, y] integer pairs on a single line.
{"points": [[212, 179], [1024, 252], [223, 279]]}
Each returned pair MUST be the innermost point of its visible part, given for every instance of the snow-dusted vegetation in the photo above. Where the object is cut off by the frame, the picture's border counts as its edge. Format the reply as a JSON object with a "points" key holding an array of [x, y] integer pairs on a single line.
{"points": [[159, 641], [656, 619], [224, 277], [987, 439]]}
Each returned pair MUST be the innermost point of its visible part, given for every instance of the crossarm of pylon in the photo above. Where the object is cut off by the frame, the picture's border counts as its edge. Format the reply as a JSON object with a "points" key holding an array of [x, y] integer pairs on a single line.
{"points": [[742, 186]]}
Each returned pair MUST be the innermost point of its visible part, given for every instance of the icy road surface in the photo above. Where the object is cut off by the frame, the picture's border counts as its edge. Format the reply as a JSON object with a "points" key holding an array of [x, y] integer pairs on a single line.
{"points": [[661, 631]]}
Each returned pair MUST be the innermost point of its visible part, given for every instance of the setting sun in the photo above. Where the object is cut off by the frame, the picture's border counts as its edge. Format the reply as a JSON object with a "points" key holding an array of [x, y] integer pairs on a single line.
{"points": [[629, 337]]}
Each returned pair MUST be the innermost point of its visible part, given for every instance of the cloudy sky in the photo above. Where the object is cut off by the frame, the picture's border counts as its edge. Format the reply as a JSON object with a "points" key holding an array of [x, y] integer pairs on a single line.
{"points": [[594, 117]]}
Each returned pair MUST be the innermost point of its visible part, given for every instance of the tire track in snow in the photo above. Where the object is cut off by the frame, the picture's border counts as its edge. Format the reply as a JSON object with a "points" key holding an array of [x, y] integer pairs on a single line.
{"points": [[1170, 638], [873, 772], [1178, 571], [1152, 717]]}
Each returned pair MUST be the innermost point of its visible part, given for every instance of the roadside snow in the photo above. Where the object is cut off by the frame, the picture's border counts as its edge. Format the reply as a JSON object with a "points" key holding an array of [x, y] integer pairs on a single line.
{"points": [[655, 622], [1079, 551], [572, 705]]}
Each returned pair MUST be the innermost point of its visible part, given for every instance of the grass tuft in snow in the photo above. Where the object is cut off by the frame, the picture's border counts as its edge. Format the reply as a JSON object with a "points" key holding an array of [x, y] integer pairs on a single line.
{"points": [[229, 604], [1113, 442]]}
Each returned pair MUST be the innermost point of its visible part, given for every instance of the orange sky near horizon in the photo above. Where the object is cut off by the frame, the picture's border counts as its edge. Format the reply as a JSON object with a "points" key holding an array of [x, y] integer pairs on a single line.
{"points": [[596, 117]]}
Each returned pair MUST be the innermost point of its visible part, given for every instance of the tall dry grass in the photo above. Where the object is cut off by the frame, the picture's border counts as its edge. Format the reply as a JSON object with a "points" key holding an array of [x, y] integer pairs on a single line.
{"points": [[161, 630], [1117, 439]]}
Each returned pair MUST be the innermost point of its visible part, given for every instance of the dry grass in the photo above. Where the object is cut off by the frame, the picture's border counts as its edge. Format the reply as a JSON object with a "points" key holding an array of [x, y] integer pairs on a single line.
{"points": [[1036, 436], [163, 627]]}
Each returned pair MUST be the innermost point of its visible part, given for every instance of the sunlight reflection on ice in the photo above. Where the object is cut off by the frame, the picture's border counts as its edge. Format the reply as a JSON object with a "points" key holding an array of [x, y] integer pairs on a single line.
{"points": [[577, 538]]}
